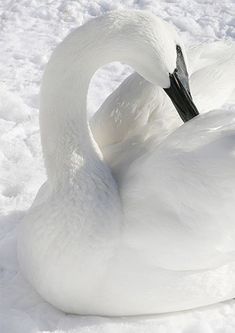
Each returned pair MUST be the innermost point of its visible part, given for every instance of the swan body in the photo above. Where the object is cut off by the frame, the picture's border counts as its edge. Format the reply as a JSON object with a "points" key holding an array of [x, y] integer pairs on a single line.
{"points": [[162, 238], [138, 111]]}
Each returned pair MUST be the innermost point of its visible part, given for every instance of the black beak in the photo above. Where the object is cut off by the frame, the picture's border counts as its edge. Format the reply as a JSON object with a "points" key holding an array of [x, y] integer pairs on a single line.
{"points": [[179, 91], [181, 98]]}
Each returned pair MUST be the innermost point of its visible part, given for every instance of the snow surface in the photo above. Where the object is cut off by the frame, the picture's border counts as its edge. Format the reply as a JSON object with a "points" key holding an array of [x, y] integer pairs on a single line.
{"points": [[29, 31]]}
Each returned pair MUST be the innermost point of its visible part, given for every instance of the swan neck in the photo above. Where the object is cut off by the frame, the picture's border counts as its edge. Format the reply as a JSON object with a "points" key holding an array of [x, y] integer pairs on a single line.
{"points": [[66, 137]]}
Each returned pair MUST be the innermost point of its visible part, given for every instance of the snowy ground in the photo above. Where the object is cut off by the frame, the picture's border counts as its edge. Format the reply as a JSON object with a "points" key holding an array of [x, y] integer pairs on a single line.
{"points": [[29, 30]]}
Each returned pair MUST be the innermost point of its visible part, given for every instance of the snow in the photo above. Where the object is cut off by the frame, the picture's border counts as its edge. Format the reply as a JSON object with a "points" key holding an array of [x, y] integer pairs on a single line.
{"points": [[30, 29]]}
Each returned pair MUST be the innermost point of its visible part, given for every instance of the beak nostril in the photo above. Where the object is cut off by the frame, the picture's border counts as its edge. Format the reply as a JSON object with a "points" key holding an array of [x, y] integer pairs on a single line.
{"points": [[178, 49]]}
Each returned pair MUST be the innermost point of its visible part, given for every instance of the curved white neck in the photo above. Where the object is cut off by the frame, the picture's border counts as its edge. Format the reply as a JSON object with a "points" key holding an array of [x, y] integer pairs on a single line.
{"points": [[66, 138]]}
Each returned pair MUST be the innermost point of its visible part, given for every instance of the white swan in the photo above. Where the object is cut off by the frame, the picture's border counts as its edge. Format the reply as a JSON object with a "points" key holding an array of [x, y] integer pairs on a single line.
{"points": [[138, 111], [164, 239]]}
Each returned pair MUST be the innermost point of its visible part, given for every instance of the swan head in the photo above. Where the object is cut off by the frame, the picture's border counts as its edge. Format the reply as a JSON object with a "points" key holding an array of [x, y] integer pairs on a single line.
{"points": [[160, 48]]}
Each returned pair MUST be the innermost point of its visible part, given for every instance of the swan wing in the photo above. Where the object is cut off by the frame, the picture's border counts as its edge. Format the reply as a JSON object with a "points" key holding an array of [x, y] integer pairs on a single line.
{"points": [[179, 198], [122, 110], [206, 54], [212, 83]]}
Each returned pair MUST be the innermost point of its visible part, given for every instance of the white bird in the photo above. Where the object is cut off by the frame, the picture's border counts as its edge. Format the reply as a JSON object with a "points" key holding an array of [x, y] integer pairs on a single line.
{"points": [[139, 111], [163, 238]]}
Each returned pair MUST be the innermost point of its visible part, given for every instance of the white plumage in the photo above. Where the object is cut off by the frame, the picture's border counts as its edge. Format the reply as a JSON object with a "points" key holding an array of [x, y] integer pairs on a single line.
{"points": [[162, 238]]}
